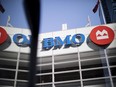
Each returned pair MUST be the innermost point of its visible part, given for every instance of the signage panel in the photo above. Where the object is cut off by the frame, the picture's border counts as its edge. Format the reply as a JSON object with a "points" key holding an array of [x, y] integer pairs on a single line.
{"points": [[59, 42], [3, 35], [102, 35]]}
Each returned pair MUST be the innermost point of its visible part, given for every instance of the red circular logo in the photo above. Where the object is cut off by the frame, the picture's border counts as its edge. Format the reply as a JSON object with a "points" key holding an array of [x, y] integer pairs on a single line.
{"points": [[3, 35], [102, 35]]}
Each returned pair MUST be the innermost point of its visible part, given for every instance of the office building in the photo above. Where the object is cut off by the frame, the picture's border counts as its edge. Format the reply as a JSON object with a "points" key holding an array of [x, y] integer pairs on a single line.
{"points": [[81, 57], [109, 9]]}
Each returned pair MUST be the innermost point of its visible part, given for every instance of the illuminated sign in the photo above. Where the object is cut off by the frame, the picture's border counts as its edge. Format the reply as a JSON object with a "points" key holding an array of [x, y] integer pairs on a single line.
{"points": [[3, 35], [102, 35]]}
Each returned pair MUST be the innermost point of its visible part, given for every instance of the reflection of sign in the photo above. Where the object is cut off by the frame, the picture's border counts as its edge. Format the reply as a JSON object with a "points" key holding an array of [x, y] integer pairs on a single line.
{"points": [[102, 35], [3, 35], [21, 40]]}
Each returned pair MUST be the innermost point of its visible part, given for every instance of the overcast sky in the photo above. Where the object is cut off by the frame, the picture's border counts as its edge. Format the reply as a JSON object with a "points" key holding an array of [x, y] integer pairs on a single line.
{"points": [[54, 13]]}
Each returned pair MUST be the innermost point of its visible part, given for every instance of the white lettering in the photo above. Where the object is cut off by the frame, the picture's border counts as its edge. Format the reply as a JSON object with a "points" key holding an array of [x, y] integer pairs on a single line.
{"points": [[102, 35], [0, 34]]}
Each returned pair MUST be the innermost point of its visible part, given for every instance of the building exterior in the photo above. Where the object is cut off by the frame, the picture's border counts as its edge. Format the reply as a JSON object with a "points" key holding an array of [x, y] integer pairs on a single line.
{"points": [[109, 9], [82, 57]]}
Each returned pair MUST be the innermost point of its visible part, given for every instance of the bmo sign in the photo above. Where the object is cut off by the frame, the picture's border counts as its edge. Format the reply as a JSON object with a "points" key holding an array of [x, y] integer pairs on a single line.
{"points": [[100, 35], [57, 42]]}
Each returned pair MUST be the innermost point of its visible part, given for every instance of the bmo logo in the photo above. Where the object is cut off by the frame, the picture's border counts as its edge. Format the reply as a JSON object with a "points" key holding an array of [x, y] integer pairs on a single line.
{"points": [[102, 35], [3, 35]]}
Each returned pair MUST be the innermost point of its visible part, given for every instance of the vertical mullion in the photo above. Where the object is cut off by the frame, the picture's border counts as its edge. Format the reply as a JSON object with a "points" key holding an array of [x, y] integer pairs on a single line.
{"points": [[80, 67], [53, 70], [107, 61], [17, 66]]}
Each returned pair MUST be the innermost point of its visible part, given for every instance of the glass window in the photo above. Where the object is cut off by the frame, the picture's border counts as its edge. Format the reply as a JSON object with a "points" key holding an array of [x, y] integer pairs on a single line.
{"points": [[112, 60], [44, 78], [94, 73], [93, 64], [89, 55], [6, 83], [44, 71], [44, 85], [114, 81], [8, 62], [21, 84], [69, 84], [44, 65], [66, 62], [113, 71], [101, 82], [67, 76], [67, 57]]}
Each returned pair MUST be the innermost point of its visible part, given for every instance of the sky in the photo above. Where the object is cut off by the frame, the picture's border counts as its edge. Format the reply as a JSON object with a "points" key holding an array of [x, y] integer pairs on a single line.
{"points": [[54, 13]]}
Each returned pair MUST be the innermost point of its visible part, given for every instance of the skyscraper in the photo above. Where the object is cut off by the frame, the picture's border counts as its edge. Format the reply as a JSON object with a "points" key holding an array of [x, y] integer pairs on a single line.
{"points": [[109, 9]]}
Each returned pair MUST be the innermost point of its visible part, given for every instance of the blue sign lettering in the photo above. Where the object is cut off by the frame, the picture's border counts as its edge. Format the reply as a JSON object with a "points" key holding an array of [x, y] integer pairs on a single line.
{"points": [[59, 43], [80, 37], [21, 40], [48, 43]]}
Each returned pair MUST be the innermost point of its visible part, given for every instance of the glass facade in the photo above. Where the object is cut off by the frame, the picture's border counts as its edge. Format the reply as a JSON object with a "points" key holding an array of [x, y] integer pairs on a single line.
{"points": [[82, 69], [109, 11], [85, 65]]}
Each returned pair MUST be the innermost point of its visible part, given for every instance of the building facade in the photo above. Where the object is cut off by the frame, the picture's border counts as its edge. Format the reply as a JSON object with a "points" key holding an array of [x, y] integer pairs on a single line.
{"points": [[109, 9], [82, 57]]}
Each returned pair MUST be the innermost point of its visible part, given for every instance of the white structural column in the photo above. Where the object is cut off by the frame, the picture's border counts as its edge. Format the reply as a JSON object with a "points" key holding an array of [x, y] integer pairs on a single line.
{"points": [[80, 71], [107, 61], [53, 78], [109, 71], [17, 66]]}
